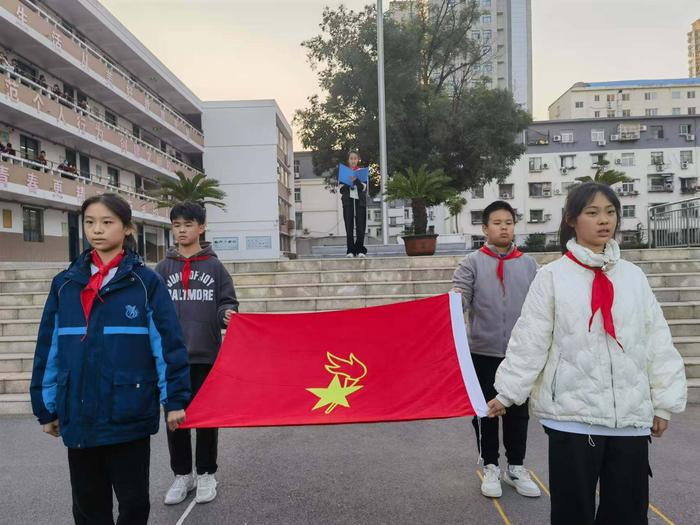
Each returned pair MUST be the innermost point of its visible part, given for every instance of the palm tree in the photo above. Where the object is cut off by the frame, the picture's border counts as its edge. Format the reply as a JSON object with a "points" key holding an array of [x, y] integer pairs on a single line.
{"points": [[423, 188], [455, 205], [605, 176], [199, 189]]}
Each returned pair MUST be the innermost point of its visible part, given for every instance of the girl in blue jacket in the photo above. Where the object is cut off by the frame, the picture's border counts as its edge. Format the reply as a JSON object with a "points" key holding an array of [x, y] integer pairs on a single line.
{"points": [[109, 351]]}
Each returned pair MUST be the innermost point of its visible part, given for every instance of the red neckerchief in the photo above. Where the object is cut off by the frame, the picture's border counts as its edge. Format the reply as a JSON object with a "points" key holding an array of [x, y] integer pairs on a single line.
{"points": [[501, 262], [187, 269], [602, 297], [92, 290]]}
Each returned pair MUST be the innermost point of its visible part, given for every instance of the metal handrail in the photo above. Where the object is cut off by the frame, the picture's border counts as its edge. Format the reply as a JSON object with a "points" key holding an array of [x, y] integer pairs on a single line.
{"points": [[674, 224]]}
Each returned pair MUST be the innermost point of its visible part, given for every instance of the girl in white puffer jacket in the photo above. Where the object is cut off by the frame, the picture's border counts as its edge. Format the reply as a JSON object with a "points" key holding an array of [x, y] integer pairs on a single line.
{"points": [[594, 353]]}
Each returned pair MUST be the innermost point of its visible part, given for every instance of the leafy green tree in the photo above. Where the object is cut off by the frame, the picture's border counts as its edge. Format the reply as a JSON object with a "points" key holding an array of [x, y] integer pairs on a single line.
{"points": [[605, 176], [201, 189]]}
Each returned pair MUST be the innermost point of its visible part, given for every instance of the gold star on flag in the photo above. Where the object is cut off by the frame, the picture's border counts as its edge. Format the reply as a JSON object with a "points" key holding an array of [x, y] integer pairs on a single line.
{"points": [[333, 394]]}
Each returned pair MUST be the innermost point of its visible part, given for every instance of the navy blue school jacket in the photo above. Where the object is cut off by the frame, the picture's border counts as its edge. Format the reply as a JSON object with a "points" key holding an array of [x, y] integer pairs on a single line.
{"points": [[105, 387]]}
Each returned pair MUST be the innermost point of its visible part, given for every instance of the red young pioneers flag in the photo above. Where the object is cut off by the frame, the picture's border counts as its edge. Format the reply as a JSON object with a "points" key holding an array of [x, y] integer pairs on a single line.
{"points": [[386, 363]]}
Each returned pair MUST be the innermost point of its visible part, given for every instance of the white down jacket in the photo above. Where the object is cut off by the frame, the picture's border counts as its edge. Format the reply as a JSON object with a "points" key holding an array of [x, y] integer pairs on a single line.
{"points": [[573, 374]]}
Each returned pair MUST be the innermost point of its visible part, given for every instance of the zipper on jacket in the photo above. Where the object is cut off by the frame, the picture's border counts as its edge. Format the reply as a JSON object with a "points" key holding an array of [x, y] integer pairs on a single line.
{"points": [[612, 378]]}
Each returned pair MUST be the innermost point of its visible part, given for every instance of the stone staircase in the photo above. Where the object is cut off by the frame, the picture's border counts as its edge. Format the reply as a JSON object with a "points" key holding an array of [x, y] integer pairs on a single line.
{"points": [[328, 284]]}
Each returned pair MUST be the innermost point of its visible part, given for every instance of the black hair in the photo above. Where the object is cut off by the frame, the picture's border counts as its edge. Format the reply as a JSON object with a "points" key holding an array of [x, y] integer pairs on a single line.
{"points": [[190, 211], [495, 206], [355, 152], [578, 198], [120, 208]]}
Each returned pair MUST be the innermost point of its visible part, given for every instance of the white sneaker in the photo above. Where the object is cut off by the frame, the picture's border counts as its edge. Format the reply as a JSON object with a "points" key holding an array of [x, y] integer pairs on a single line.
{"points": [[179, 489], [206, 488], [350, 256], [518, 477], [491, 484], [361, 255]]}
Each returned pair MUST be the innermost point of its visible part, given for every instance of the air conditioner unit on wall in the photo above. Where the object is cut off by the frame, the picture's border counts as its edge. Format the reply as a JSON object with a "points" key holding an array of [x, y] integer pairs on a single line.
{"points": [[684, 165], [614, 137], [618, 161], [690, 137], [557, 192], [642, 127], [556, 138], [602, 142], [659, 167]]}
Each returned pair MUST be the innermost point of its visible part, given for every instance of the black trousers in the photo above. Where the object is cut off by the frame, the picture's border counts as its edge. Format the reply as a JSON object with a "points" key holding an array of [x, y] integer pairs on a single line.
{"points": [[94, 472], [515, 419], [576, 465], [355, 218], [207, 439]]}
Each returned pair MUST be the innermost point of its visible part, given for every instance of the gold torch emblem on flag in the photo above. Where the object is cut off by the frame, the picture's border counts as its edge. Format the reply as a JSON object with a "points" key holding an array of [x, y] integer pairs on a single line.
{"points": [[346, 373]]}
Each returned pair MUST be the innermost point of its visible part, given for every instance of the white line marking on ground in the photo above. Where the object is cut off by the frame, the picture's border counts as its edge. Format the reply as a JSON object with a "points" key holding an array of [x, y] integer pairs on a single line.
{"points": [[187, 512]]}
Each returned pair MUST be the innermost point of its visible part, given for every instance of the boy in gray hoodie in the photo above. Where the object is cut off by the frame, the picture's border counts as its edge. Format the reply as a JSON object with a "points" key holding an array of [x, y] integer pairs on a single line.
{"points": [[494, 281], [204, 298]]}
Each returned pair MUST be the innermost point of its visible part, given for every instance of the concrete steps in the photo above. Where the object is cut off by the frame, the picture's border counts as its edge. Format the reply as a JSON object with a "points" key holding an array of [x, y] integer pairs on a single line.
{"points": [[330, 284]]}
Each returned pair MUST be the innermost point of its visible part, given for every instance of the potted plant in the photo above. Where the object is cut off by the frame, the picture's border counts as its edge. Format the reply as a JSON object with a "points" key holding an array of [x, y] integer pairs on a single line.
{"points": [[423, 189]]}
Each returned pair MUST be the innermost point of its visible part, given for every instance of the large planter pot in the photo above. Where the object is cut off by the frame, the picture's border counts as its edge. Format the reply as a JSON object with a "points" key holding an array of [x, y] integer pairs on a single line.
{"points": [[420, 244]]}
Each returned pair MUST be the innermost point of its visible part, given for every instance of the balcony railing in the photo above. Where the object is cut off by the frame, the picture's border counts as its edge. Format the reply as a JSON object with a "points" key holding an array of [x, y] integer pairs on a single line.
{"points": [[90, 59], [67, 113], [39, 178]]}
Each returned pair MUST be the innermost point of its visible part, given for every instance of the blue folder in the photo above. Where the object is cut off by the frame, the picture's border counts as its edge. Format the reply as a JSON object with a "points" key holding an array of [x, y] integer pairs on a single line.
{"points": [[345, 172]]}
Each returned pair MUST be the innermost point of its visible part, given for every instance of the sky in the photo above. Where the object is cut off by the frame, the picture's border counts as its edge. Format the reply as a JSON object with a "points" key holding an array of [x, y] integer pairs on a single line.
{"points": [[251, 49]]}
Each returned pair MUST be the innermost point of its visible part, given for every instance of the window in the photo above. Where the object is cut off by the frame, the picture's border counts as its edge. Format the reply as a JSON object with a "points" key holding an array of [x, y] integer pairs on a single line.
{"points": [[112, 176], [486, 20], [650, 95], [377, 215], [685, 129], [536, 216], [597, 135], [628, 187], [488, 67], [392, 221], [611, 98], [597, 159], [487, 36], [111, 118], [596, 98], [535, 163], [675, 94], [691, 111], [628, 211], [506, 191], [596, 114], [579, 104], [33, 224], [691, 94], [406, 214], [627, 159], [626, 97], [657, 158], [626, 112], [567, 137], [687, 156], [477, 216], [297, 167], [299, 220], [651, 112], [476, 35], [478, 241], [611, 113], [28, 147], [478, 192], [540, 189], [486, 4], [567, 161], [657, 132], [675, 111], [297, 194]]}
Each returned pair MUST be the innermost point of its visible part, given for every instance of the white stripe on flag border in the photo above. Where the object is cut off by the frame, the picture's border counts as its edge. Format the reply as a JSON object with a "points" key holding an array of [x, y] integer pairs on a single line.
{"points": [[459, 334]]}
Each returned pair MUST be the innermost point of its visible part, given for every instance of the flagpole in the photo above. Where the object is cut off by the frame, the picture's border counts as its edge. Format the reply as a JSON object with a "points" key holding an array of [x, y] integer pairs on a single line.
{"points": [[382, 121]]}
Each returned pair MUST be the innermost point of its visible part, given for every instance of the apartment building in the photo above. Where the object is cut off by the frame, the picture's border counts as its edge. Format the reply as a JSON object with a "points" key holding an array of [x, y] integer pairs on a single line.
{"points": [[628, 98], [694, 49]]}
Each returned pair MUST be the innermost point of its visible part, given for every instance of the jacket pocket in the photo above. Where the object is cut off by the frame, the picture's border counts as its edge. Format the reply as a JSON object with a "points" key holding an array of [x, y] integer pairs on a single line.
{"points": [[134, 395], [62, 396], [554, 379]]}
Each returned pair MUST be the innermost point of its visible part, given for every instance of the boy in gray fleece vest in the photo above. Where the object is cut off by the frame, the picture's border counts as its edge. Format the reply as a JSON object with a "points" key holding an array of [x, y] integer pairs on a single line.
{"points": [[493, 282], [204, 298]]}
